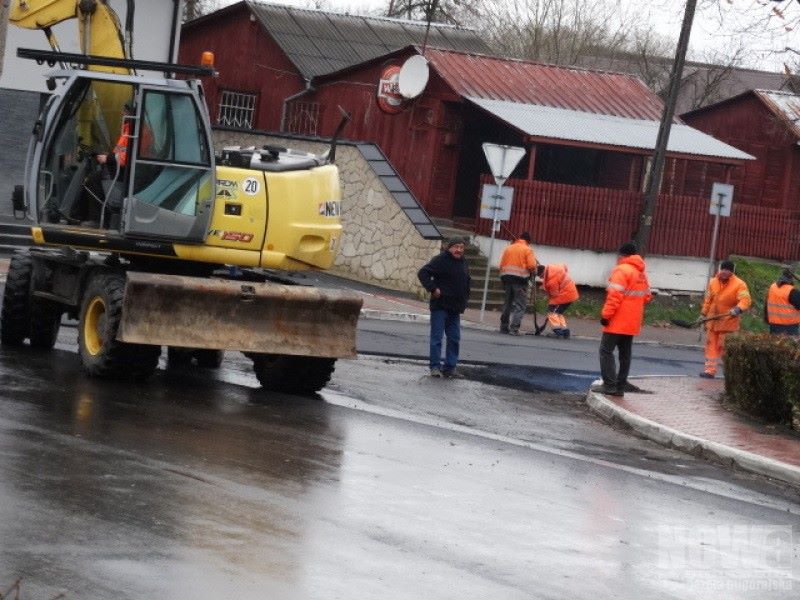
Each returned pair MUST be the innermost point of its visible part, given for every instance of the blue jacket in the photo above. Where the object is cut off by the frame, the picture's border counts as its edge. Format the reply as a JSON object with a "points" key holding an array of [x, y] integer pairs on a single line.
{"points": [[451, 276]]}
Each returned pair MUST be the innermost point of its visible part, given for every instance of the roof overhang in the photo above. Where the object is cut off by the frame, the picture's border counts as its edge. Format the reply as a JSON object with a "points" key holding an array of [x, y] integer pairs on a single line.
{"points": [[608, 131]]}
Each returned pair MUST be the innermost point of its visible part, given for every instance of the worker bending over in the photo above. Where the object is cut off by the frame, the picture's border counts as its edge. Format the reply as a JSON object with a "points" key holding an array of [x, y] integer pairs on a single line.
{"points": [[561, 292]]}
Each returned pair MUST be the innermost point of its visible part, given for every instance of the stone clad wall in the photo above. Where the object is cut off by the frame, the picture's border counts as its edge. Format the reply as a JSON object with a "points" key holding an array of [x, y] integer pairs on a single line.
{"points": [[379, 245]]}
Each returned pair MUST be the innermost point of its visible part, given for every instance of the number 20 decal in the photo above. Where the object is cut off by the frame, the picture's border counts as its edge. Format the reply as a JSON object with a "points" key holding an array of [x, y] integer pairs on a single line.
{"points": [[250, 186]]}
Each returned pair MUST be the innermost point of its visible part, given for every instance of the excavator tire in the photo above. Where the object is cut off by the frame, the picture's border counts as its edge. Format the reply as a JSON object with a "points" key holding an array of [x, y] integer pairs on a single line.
{"points": [[45, 323], [303, 375], [102, 355], [15, 317]]}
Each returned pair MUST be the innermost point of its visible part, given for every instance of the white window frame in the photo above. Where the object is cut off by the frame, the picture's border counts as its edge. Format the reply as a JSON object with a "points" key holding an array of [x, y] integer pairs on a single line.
{"points": [[237, 109]]}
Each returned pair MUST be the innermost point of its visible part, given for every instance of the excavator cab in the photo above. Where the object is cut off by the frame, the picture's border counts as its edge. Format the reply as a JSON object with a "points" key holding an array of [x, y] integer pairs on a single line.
{"points": [[145, 172]]}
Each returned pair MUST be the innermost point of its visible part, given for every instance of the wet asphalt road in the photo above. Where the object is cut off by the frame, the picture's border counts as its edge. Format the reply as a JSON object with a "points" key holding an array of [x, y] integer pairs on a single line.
{"points": [[392, 485]]}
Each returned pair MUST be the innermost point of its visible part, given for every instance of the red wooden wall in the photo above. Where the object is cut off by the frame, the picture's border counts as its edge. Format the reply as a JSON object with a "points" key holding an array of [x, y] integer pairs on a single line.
{"points": [[773, 179], [247, 59], [422, 141]]}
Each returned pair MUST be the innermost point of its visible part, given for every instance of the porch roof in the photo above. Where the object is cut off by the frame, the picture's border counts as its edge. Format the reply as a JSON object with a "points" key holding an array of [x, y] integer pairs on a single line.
{"points": [[548, 122]]}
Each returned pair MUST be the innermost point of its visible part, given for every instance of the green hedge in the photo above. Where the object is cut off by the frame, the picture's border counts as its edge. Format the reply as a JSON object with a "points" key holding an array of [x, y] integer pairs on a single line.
{"points": [[762, 374]]}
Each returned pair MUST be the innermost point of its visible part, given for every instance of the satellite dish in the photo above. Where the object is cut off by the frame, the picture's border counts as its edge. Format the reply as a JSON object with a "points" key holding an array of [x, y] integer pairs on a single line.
{"points": [[413, 77]]}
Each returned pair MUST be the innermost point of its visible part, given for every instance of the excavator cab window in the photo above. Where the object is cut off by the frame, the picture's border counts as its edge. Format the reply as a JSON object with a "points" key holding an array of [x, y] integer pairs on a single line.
{"points": [[74, 181], [172, 190]]}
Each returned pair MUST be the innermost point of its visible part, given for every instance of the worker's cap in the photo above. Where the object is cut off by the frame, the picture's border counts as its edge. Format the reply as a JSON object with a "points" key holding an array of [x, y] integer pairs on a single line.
{"points": [[727, 265], [628, 249], [455, 240], [787, 276], [525, 236]]}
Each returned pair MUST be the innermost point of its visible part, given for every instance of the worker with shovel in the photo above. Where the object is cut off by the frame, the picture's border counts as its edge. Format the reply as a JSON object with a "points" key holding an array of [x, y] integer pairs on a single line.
{"points": [[726, 298]]}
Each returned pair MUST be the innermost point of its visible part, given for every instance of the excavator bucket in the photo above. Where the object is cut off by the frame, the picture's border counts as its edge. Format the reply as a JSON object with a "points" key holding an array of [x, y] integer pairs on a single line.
{"points": [[194, 312]]}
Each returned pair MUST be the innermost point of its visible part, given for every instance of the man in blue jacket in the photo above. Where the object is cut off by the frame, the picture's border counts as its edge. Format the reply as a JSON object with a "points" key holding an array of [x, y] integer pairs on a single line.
{"points": [[446, 277]]}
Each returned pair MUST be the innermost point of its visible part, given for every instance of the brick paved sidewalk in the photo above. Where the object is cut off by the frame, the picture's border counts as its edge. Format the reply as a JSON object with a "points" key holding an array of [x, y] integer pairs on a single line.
{"points": [[693, 408]]}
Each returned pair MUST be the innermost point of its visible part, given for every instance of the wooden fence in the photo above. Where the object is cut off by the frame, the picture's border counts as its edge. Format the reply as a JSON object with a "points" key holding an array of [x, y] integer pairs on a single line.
{"points": [[601, 219]]}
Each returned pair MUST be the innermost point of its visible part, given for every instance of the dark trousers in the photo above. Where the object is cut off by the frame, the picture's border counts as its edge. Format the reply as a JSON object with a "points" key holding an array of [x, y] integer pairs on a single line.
{"points": [[608, 366], [449, 324], [516, 300], [784, 329]]}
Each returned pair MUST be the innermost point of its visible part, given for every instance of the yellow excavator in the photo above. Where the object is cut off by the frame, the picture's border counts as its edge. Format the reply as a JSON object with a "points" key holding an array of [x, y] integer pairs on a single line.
{"points": [[155, 241]]}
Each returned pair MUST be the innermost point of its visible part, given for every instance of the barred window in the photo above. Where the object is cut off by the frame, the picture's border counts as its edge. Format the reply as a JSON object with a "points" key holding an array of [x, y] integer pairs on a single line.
{"points": [[303, 118], [237, 109]]}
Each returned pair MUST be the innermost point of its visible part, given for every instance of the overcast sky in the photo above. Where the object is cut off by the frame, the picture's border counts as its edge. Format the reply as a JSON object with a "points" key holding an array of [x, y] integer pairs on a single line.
{"points": [[716, 27]]}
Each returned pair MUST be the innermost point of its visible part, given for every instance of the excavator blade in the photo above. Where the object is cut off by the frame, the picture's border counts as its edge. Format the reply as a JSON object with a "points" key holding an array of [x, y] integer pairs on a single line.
{"points": [[196, 312]]}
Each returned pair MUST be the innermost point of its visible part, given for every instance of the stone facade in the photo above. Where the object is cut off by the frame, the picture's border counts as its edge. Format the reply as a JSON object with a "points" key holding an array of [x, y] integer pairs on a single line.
{"points": [[379, 245]]}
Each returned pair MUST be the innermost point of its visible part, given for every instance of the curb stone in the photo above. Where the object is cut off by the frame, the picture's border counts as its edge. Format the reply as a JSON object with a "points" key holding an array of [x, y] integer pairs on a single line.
{"points": [[667, 436]]}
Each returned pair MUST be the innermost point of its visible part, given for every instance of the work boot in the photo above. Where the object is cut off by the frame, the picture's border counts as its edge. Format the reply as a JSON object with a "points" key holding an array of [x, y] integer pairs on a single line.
{"points": [[608, 390], [513, 332], [634, 389], [565, 334], [707, 375], [436, 373], [452, 374], [504, 330]]}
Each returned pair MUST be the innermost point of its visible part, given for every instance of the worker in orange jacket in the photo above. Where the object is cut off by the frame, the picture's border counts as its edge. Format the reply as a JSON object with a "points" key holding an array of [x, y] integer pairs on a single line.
{"points": [[517, 264], [782, 308], [561, 292], [726, 294], [621, 317]]}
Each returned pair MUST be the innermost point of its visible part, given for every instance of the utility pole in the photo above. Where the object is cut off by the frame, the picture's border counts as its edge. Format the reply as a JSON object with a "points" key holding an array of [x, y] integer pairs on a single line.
{"points": [[653, 183]]}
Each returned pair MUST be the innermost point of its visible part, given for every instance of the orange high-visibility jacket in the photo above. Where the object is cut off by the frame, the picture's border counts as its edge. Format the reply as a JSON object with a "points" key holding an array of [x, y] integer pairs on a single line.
{"points": [[558, 285], [720, 298], [627, 293], [518, 260], [121, 148], [780, 310]]}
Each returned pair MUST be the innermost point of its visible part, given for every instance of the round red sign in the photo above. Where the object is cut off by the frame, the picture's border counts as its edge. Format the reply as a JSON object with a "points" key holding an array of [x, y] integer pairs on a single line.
{"points": [[389, 98]]}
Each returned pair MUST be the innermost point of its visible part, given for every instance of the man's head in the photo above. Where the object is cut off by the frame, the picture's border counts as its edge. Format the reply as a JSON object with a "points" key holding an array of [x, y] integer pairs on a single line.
{"points": [[627, 249], [455, 246], [525, 236], [540, 270], [726, 269], [787, 276]]}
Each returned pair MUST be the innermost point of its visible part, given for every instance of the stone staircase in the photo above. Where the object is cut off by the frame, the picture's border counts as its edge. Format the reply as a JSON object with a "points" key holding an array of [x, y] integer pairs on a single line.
{"points": [[477, 270]]}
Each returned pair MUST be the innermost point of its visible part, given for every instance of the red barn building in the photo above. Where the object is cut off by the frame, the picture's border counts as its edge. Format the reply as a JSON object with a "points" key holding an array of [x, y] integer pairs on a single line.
{"points": [[765, 124]]}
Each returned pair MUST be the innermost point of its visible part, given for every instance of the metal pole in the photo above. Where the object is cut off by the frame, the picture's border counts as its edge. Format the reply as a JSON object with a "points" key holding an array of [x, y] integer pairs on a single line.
{"points": [[491, 251], [653, 184], [714, 236]]}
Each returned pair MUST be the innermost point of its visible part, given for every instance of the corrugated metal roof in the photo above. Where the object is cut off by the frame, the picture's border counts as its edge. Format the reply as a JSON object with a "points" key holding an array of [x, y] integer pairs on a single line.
{"points": [[611, 130], [320, 42], [584, 90], [784, 104]]}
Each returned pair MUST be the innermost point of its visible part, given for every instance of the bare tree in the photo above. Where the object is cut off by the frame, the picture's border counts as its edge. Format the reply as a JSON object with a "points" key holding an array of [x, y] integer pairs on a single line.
{"points": [[556, 31], [455, 12], [197, 8]]}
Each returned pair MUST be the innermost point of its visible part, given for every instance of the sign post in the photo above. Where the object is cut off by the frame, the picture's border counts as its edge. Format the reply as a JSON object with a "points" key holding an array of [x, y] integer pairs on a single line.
{"points": [[721, 201], [502, 161]]}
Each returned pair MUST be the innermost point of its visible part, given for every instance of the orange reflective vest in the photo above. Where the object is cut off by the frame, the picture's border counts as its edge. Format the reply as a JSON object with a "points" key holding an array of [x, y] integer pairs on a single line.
{"points": [[518, 260], [558, 285], [779, 310], [721, 297], [627, 292], [121, 147]]}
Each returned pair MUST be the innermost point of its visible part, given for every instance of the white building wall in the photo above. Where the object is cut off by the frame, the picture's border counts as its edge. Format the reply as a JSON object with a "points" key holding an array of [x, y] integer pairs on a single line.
{"points": [[586, 267]]}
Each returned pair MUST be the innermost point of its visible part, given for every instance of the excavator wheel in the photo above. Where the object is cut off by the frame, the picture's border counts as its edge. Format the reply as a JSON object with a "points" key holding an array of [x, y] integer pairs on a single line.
{"points": [[45, 323], [16, 314], [304, 375], [102, 355]]}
